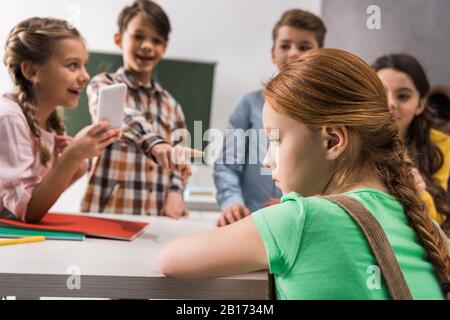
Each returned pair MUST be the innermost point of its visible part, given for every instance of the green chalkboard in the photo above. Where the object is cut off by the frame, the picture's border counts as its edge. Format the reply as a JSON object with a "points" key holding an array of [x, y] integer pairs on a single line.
{"points": [[189, 82]]}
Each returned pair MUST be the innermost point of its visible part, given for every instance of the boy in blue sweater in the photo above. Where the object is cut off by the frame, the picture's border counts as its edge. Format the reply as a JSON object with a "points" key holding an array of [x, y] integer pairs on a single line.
{"points": [[241, 185]]}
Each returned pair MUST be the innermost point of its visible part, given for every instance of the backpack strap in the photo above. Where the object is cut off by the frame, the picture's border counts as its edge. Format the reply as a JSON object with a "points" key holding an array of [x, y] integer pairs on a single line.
{"points": [[379, 244], [271, 289]]}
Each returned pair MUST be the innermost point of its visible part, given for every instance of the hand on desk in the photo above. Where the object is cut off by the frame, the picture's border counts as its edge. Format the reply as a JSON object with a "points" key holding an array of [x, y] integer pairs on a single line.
{"points": [[233, 213], [174, 206]]}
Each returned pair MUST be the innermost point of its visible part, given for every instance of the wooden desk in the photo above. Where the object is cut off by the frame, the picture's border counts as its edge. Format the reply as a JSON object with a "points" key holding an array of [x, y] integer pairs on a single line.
{"points": [[115, 269]]}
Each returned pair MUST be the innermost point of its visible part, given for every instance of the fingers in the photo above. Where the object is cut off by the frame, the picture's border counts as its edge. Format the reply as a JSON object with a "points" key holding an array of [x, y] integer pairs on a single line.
{"points": [[192, 153], [163, 159], [102, 145], [98, 128], [107, 135], [174, 158], [419, 181], [222, 221], [233, 214], [186, 171], [182, 155], [162, 154], [175, 214], [107, 138], [63, 140], [237, 214]]}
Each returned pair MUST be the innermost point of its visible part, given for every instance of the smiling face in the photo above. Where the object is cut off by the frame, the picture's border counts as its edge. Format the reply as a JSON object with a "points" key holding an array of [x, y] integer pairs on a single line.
{"points": [[404, 98], [292, 43], [142, 47], [63, 77], [295, 156]]}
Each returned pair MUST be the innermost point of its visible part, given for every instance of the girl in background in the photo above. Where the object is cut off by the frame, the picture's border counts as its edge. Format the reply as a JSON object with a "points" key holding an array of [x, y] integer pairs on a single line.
{"points": [[408, 89]]}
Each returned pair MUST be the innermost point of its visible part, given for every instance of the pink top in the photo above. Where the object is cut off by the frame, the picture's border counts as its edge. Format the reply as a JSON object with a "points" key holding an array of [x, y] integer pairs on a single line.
{"points": [[20, 168]]}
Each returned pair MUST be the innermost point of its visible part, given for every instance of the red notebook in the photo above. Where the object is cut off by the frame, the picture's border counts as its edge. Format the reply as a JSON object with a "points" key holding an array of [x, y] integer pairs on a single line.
{"points": [[90, 226]]}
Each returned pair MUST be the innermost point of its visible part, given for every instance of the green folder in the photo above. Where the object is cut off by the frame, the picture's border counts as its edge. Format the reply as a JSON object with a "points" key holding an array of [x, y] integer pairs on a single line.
{"points": [[50, 235]]}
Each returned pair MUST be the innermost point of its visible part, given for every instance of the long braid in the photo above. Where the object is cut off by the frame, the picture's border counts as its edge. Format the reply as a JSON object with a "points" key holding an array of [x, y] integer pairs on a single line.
{"points": [[24, 98], [426, 155], [56, 123], [396, 174], [428, 158]]}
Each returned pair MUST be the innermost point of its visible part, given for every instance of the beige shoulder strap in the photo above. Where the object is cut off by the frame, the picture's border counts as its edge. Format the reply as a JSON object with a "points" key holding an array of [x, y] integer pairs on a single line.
{"points": [[379, 244]]}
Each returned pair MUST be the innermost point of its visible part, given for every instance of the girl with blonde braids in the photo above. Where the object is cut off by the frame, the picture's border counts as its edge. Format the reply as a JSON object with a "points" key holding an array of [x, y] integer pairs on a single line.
{"points": [[330, 131], [46, 61]]}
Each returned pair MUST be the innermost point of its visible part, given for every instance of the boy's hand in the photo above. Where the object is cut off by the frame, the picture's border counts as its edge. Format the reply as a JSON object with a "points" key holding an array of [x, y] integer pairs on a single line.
{"points": [[174, 158], [233, 213], [174, 206]]}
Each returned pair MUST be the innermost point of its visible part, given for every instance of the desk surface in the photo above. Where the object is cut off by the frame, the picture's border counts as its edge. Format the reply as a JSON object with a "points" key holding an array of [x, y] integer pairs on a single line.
{"points": [[116, 269]]}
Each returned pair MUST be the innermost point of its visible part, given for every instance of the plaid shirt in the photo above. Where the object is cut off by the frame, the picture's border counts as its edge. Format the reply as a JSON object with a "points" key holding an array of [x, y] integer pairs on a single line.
{"points": [[125, 179]]}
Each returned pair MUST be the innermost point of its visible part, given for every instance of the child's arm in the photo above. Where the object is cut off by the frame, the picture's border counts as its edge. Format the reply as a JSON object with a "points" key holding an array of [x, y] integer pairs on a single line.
{"points": [[138, 131], [234, 249], [177, 181], [61, 143], [87, 144], [174, 206]]}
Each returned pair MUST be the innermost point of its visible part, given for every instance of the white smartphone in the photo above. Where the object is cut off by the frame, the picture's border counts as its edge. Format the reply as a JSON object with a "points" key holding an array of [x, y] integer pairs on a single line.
{"points": [[111, 104]]}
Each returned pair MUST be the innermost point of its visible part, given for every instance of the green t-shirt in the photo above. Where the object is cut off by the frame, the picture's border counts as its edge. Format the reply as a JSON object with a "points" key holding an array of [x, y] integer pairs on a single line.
{"points": [[316, 251]]}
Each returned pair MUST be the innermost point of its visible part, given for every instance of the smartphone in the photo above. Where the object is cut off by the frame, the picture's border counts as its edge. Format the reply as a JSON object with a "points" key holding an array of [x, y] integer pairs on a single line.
{"points": [[111, 104]]}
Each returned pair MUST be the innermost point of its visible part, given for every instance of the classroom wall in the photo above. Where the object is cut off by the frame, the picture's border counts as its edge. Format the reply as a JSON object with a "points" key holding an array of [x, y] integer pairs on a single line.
{"points": [[234, 33], [417, 27]]}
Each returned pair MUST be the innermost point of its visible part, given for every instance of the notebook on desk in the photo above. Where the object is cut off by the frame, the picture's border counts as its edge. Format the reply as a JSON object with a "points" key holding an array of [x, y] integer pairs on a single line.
{"points": [[6, 232], [89, 226]]}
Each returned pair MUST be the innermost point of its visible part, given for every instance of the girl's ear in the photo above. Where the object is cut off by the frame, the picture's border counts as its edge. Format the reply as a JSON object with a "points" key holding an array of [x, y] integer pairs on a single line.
{"points": [[29, 71], [335, 141], [118, 39], [422, 105]]}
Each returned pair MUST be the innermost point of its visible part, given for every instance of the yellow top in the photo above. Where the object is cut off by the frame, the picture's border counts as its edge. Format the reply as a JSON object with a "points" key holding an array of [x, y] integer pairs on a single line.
{"points": [[441, 176]]}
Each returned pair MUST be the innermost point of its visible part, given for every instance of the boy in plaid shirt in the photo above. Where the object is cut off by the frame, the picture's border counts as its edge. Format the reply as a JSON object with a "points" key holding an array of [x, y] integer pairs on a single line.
{"points": [[136, 175]]}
